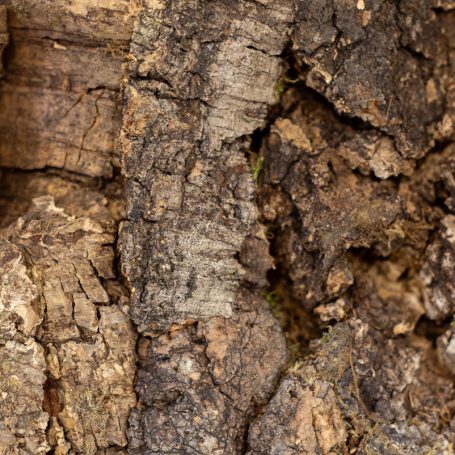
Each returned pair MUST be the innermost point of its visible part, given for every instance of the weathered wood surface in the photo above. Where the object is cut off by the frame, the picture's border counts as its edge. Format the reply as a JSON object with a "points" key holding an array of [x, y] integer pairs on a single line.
{"points": [[198, 87], [62, 85], [135, 310], [67, 345]]}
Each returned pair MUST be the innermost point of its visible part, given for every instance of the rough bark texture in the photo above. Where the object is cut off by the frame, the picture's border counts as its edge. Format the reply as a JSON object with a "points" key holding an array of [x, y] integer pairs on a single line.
{"points": [[280, 176], [67, 345], [62, 86], [197, 87], [56, 311], [363, 232]]}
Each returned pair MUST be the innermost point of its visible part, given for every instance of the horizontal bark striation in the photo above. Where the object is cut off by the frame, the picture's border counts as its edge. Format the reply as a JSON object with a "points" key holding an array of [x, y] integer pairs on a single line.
{"points": [[62, 85]]}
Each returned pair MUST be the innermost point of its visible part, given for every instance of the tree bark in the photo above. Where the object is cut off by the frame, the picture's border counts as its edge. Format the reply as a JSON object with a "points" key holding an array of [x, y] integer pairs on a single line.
{"points": [[227, 227]]}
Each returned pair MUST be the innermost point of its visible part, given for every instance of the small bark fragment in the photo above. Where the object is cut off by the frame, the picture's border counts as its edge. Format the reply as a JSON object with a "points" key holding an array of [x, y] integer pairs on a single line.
{"points": [[312, 422]]}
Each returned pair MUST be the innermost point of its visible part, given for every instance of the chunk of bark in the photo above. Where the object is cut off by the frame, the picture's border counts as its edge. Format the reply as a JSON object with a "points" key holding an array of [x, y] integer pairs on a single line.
{"points": [[337, 209], [199, 384], [361, 229], [188, 107], [55, 308], [373, 253], [60, 108], [357, 384], [382, 62], [312, 423], [192, 225]]}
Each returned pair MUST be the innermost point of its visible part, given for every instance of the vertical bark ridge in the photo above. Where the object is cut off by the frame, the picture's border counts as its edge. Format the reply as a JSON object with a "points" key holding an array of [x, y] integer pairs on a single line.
{"points": [[202, 78]]}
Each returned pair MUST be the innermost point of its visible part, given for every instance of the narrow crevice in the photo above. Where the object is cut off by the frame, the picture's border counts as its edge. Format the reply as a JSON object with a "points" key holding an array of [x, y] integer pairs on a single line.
{"points": [[6, 57], [431, 329]]}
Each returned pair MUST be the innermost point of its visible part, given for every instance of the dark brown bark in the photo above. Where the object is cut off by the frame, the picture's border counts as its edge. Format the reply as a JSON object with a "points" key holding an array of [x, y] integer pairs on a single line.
{"points": [[227, 227]]}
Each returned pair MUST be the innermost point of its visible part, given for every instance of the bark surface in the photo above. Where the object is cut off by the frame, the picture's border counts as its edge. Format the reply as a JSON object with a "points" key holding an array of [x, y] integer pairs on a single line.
{"points": [[67, 346], [227, 227]]}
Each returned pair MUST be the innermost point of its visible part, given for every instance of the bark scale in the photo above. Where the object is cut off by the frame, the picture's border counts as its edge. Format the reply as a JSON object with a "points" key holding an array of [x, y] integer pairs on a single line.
{"points": [[192, 192]]}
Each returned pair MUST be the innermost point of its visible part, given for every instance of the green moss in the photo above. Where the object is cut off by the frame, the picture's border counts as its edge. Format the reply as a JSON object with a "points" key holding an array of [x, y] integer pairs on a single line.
{"points": [[272, 299], [257, 168], [325, 337], [282, 84]]}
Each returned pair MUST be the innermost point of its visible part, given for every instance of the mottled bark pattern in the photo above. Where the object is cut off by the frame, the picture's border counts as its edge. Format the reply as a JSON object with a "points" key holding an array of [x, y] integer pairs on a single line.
{"points": [[283, 161], [67, 346], [197, 86], [357, 392], [200, 384]]}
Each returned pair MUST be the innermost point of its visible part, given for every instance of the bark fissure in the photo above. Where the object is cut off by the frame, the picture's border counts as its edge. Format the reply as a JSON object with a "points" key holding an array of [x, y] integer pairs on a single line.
{"points": [[227, 227]]}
